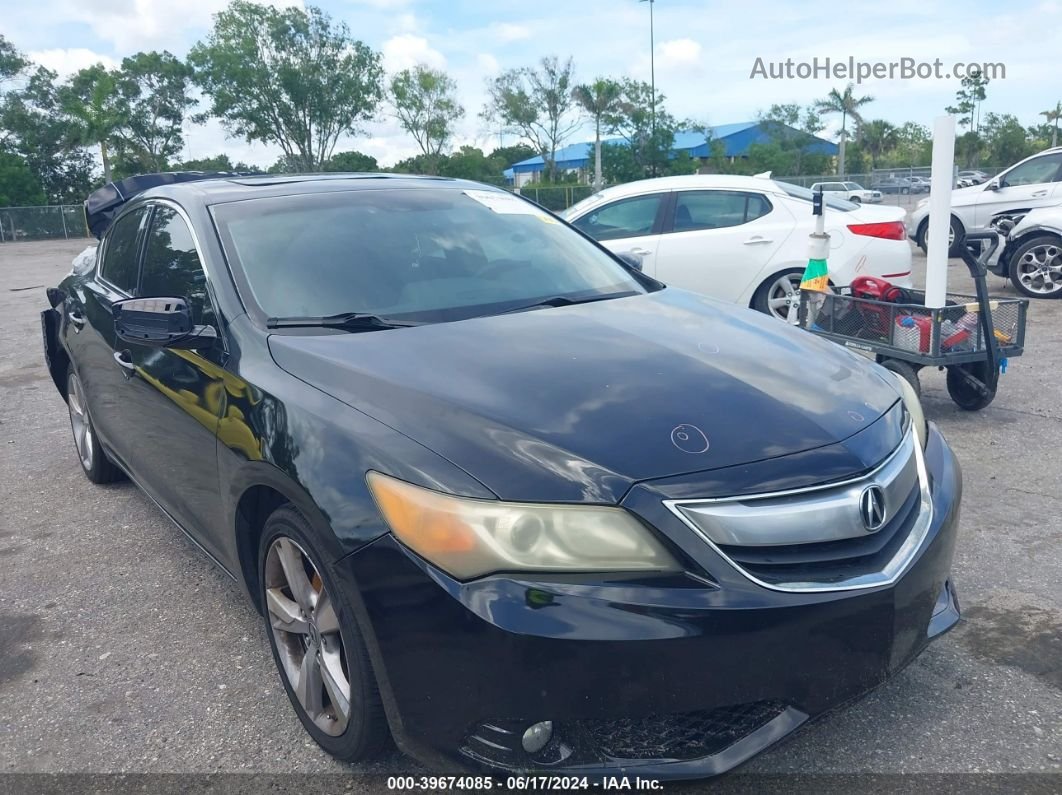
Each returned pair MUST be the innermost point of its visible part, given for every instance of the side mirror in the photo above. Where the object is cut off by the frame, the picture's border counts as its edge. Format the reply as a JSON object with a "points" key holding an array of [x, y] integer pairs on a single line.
{"points": [[160, 323], [632, 260], [993, 185]]}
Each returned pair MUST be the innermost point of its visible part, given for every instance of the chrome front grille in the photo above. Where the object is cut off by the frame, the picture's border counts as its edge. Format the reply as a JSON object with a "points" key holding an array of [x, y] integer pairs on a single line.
{"points": [[859, 533]]}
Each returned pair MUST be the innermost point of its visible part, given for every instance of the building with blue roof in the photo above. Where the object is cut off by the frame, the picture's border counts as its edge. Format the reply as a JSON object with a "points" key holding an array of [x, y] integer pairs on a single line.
{"points": [[735, 139]]}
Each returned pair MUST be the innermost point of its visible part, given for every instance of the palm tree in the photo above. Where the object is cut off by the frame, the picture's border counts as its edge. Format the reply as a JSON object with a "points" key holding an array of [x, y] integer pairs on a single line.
{"points": [[847, 104], [88, 100], [1053, 116], [598, 99], [879, 137]]}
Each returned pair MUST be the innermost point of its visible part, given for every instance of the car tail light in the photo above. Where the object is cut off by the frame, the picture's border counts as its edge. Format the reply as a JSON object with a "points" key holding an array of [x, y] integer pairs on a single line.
{"points": [[887, 230]]}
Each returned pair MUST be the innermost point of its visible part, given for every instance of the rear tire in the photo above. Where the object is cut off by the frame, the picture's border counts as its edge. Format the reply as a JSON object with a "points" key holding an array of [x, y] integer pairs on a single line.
{"points": [[93, 458], [317, 646]]}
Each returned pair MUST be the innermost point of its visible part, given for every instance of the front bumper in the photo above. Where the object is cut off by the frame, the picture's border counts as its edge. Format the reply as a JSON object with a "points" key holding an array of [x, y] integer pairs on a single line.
{"points": [[669, 677]]}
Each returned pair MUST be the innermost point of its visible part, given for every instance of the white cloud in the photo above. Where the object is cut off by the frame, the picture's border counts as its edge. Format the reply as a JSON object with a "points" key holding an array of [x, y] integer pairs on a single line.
{"points": [[506, 32], [678, 52], [406, 50], [67, 62], [488, 64]]}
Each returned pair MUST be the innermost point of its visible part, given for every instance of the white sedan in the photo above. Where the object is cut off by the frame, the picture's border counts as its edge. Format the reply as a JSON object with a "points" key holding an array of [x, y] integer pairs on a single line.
{"points": [[852, 191], [742, 239]]}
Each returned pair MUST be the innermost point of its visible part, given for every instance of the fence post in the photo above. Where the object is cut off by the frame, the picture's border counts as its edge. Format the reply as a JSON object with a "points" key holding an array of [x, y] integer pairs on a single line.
{"points": [[62, 214], [2, 229]]}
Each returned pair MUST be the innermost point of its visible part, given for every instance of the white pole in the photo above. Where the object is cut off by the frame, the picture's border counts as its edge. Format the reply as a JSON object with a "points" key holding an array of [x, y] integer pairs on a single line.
{"points": [[940, 211]]}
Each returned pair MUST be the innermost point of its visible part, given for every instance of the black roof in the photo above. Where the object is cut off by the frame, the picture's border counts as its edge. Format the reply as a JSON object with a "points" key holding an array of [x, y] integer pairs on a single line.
{"points": [[220, 187]]}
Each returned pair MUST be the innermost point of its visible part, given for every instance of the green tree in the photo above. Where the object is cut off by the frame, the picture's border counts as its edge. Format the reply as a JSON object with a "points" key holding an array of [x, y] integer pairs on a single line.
{"points": [[1005, 140], [215, 163], [633, 119], [33, 127], [968, 99], [12, 62], [1053, 116], [847, 105], [879, 137], [90, 101], [469, 162], [19, 186], [153, 100], [425, 104], [287, 77], [914, 146], [505, 156], [598, 99], [795, 130], [536, 104], [356, 162]]}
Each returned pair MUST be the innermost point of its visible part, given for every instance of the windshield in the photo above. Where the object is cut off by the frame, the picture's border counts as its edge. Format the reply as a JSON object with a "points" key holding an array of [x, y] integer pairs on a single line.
{"points": [[576, 209], [428, 255], [834, 202]]}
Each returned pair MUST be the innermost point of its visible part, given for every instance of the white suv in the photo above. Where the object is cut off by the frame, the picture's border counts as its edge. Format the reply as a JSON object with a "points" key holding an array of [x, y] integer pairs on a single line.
{"points": [[852, 191], [1034, 182]]}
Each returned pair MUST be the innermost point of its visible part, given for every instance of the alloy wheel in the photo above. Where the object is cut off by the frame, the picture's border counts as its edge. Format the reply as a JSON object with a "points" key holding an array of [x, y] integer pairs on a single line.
{"points": [[1040, 269], [783, 297], [305, 627], [84, 439]]}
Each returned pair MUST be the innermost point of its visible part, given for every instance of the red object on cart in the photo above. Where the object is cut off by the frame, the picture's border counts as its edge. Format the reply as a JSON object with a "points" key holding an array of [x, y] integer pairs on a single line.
{"points": [[876, 318]]}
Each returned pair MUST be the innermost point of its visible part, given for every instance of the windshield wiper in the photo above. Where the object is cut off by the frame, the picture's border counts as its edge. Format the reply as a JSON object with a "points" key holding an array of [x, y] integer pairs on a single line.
{"points": [[563, 300], [351, 321]]}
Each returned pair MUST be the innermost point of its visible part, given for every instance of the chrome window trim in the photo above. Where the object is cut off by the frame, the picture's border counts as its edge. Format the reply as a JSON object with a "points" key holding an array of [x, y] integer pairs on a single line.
{"points": [[889, 574]]}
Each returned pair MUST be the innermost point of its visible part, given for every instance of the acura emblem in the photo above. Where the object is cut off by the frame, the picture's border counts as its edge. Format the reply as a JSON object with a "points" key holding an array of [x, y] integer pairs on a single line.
{"points": [[872, 508]]}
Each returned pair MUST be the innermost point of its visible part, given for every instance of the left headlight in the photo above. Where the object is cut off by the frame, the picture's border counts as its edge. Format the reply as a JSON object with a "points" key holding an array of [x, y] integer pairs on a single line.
{"points": [[470, 538], [913, 404]]}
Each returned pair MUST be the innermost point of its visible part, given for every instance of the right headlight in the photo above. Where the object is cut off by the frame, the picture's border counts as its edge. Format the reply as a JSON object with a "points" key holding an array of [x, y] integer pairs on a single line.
{"points": [[913, 404], [470, 538]]}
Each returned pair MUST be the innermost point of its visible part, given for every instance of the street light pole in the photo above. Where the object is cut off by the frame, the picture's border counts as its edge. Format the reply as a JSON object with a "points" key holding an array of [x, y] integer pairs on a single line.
{"points": [[652, 80]]}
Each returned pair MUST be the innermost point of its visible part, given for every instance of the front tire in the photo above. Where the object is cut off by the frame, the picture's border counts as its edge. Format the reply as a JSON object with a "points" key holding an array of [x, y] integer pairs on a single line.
{"points": [[94, 461], [1036, 268], [317, 647], [779, 295]]}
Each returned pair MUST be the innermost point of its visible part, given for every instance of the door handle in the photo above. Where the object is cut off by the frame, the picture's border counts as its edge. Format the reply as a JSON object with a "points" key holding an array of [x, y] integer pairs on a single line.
{"points": [[1039, 194], [641, 252], [77, 319], [125, 361], [757, 240]]}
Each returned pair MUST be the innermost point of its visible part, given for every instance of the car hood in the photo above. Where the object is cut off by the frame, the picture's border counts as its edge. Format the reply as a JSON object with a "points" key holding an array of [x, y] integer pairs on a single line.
{"points": [[963, 197], [577, 403]]}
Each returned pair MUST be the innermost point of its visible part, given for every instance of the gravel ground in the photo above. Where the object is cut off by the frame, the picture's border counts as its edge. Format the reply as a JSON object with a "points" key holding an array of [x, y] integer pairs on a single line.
{"points": [[123, 649]]}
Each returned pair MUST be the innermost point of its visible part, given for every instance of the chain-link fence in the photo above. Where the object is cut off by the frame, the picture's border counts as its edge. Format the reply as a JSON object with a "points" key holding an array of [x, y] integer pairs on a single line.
{"points": [[555, 197], [55, 222]]}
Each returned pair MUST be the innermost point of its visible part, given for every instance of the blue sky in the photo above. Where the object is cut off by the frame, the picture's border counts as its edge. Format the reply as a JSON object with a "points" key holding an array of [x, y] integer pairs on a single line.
{"points": [[704, 50]]}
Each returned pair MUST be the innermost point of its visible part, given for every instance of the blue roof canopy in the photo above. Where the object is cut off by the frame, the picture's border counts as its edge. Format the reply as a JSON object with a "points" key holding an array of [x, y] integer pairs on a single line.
{"points": [[736, 140]]}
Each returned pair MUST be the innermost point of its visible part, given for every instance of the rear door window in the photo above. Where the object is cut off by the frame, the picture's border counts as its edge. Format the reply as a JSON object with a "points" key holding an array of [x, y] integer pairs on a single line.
{"points": [[119, 266], [717, 209]]}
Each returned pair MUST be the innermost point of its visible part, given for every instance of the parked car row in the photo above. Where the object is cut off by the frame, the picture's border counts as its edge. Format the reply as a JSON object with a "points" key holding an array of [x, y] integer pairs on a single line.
{"points": [[1033, 183]]}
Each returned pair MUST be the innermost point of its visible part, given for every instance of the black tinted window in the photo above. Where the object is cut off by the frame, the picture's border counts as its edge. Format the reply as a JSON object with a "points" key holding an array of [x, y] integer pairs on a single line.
{"points": [[172, 266], [717, 209], [624, 218], [119, 257]]}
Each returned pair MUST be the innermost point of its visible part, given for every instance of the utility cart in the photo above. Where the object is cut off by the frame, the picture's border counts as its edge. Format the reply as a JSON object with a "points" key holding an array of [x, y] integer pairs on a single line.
{"points": [[971, 336]]}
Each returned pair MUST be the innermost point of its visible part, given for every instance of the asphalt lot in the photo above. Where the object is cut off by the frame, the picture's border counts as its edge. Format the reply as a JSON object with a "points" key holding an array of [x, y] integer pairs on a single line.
{"points": [[123, 649]]}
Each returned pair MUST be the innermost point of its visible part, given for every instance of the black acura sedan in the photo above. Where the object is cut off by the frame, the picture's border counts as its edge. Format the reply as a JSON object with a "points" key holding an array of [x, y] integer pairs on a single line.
{"points": [[495, 493]]}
